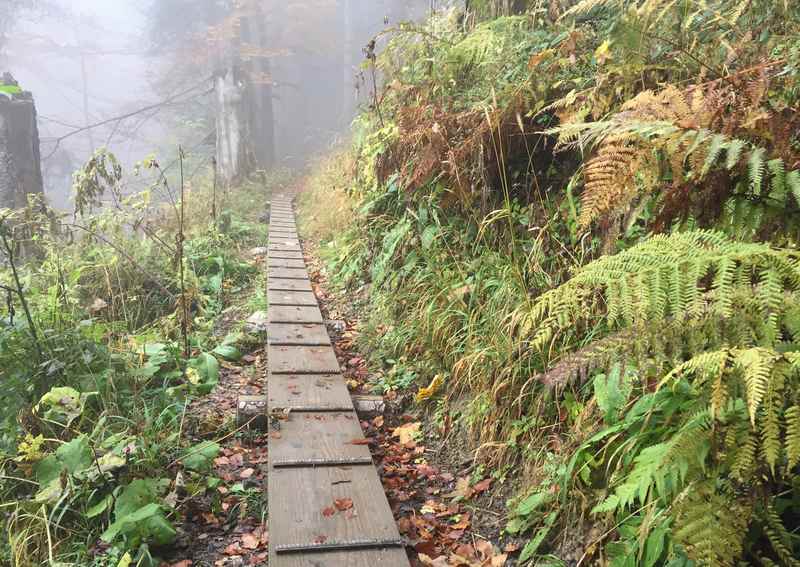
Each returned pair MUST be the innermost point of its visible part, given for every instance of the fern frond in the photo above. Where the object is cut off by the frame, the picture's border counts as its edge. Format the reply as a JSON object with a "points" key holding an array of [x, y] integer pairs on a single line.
{"points": [[712, 526], [792, 436], [755, 169], [756, 365], [779, 537]]}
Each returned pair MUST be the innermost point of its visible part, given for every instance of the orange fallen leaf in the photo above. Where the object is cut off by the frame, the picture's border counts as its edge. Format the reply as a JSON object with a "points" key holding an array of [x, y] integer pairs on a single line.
{"points": [[328, 511], [247, 473], [408, 432], [250, 541], [483, 485], [363, 441], [343, 504]]}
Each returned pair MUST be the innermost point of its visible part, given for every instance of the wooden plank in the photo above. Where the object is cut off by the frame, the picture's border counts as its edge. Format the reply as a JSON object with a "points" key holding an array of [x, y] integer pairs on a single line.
{"points": [[312, 436], [283, 230], [297, 335], [297, 498], [288, 273], [282, 284], [285, 254], [292, 298], [283, 235], [393, 557], [308, 390], [285, 263], [287, 219], [302, 360], [284, 223], [294, 314], [285, 242], [283, 248]]}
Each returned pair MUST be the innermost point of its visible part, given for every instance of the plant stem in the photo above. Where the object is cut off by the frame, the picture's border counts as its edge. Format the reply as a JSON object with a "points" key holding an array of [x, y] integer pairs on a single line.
{"points": [[19, 289], [184, 306]]}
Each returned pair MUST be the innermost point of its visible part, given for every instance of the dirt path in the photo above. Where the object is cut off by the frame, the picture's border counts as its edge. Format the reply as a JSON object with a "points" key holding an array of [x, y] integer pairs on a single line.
{"points": [[225, 512]]}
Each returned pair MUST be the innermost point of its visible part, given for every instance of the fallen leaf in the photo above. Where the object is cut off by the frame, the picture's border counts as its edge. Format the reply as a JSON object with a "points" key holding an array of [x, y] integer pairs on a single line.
{"points": [[250, 541], [233, 549], [184, 563], [320, 539], [483, 485], [247, 473], [343, 504], [360, 442], [462, 490], [499, 560], [407, 433], [328, 511]]}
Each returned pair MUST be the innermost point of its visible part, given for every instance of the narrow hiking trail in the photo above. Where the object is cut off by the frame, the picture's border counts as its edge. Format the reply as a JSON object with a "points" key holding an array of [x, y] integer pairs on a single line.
{"points": [[438, 506]]}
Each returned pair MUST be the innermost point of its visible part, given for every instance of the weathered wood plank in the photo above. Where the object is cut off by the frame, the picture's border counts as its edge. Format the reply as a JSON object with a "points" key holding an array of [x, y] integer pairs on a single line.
{"points": [[287, 273], [283, 284], [308, 390], [285, 263], [292, 298], [285, 254], [394, 557], [296, 521], [284, 248], [294, 314], [297, 335], [302, 360], [283, 231], [284, 242], [312, 436], [281, 218]]}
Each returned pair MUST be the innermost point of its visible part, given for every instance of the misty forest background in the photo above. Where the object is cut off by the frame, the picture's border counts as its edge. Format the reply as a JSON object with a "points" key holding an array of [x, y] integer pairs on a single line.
{"points": [[561, 237]]}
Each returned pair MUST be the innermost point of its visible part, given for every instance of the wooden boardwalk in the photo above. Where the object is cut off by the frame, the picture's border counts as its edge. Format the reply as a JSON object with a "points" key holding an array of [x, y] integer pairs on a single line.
{"points": [[327, 506]]}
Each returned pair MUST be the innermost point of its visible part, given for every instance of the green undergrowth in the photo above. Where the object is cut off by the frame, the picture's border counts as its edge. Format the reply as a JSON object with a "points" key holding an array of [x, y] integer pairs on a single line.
{"points": [[110, 330], [578, 236]]}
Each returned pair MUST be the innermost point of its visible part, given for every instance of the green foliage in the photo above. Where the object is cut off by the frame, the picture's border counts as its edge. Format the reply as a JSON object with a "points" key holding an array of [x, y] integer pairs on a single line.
{"points": [[585, 219], [89, 435]]}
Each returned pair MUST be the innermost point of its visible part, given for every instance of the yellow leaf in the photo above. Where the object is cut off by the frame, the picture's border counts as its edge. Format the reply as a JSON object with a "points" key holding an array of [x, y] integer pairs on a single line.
{"points": [[603, 52], [125, 561], [407, 432], [430, 390]]}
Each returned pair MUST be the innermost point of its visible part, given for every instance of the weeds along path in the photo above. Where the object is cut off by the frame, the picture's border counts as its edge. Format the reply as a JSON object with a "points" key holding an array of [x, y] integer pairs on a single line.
{"points": [[448, 510], [226, 522]]}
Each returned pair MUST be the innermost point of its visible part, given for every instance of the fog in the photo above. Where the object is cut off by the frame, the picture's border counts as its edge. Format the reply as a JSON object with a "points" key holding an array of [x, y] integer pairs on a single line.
{"points": [[90, 62]]}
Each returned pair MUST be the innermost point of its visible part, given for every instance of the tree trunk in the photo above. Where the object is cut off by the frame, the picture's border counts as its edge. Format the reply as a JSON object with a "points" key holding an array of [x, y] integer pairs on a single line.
{"points": [[20, 164]]}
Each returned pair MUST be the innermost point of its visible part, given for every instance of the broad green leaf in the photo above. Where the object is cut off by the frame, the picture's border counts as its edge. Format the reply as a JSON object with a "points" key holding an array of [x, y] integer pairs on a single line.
{"points": [[147, 524], [207, 367], [76, 455], [100, 507], [47, 469], [228, 352], [139, 493], [200, 457], [62, 405]]}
